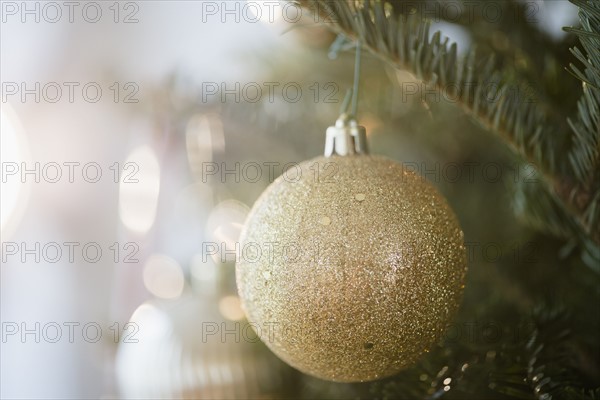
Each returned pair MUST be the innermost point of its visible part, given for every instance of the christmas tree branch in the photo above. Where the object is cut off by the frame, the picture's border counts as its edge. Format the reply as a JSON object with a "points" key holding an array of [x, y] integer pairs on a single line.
{"points": [[565, 201], [584, 157]]}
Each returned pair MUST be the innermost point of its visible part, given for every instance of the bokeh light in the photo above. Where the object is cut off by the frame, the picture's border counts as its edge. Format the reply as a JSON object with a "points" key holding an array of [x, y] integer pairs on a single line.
{"points": [[138, 190], [14, 152], [223, 229], [231, 308], [204, 137], [163, 277]]}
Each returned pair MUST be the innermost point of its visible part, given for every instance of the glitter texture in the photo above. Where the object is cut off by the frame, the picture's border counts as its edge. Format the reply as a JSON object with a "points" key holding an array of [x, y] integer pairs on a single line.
{"points": [[352, 270]]}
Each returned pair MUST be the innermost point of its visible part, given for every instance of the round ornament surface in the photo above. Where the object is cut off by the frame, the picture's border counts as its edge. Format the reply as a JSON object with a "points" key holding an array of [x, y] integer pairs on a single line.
{"points": [[351, 267]]}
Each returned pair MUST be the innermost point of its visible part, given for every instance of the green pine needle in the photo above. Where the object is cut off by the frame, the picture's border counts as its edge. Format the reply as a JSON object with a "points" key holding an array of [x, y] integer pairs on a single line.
{"points": [[566, 201]]}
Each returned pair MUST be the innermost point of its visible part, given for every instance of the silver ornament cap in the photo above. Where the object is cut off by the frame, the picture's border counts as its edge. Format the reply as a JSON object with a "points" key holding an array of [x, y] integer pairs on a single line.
{"points": [[346, 137]]}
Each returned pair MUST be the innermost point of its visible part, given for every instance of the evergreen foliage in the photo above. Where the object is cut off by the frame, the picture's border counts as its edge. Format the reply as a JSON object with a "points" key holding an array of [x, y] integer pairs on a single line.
{"points": [[528, 114]]}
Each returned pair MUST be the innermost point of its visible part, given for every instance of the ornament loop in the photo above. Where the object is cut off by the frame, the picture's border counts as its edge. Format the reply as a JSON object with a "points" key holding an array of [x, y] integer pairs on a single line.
{"points": [[346, 137]]}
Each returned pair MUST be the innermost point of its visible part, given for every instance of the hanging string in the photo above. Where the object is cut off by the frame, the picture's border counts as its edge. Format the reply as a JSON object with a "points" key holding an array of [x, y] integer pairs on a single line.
{"points": [[341, 43], [346, 102], [356, 79]]}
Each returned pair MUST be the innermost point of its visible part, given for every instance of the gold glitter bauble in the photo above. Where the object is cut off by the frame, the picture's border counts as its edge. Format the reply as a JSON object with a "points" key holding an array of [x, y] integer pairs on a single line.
{"points": [[351, 267]]}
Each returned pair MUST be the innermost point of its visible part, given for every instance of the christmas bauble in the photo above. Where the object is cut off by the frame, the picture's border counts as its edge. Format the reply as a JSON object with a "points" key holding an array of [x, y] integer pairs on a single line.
{"points": [[351, 267]]}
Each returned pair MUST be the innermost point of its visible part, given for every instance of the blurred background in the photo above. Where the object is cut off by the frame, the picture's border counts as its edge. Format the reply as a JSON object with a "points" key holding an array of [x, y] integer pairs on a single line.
{"points": [[118, 121]]}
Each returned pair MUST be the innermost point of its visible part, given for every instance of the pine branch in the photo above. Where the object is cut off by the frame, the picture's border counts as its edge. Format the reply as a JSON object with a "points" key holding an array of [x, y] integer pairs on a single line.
{"points": [[565, 204], [537, 358], [584, 156], [520, 45]]}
